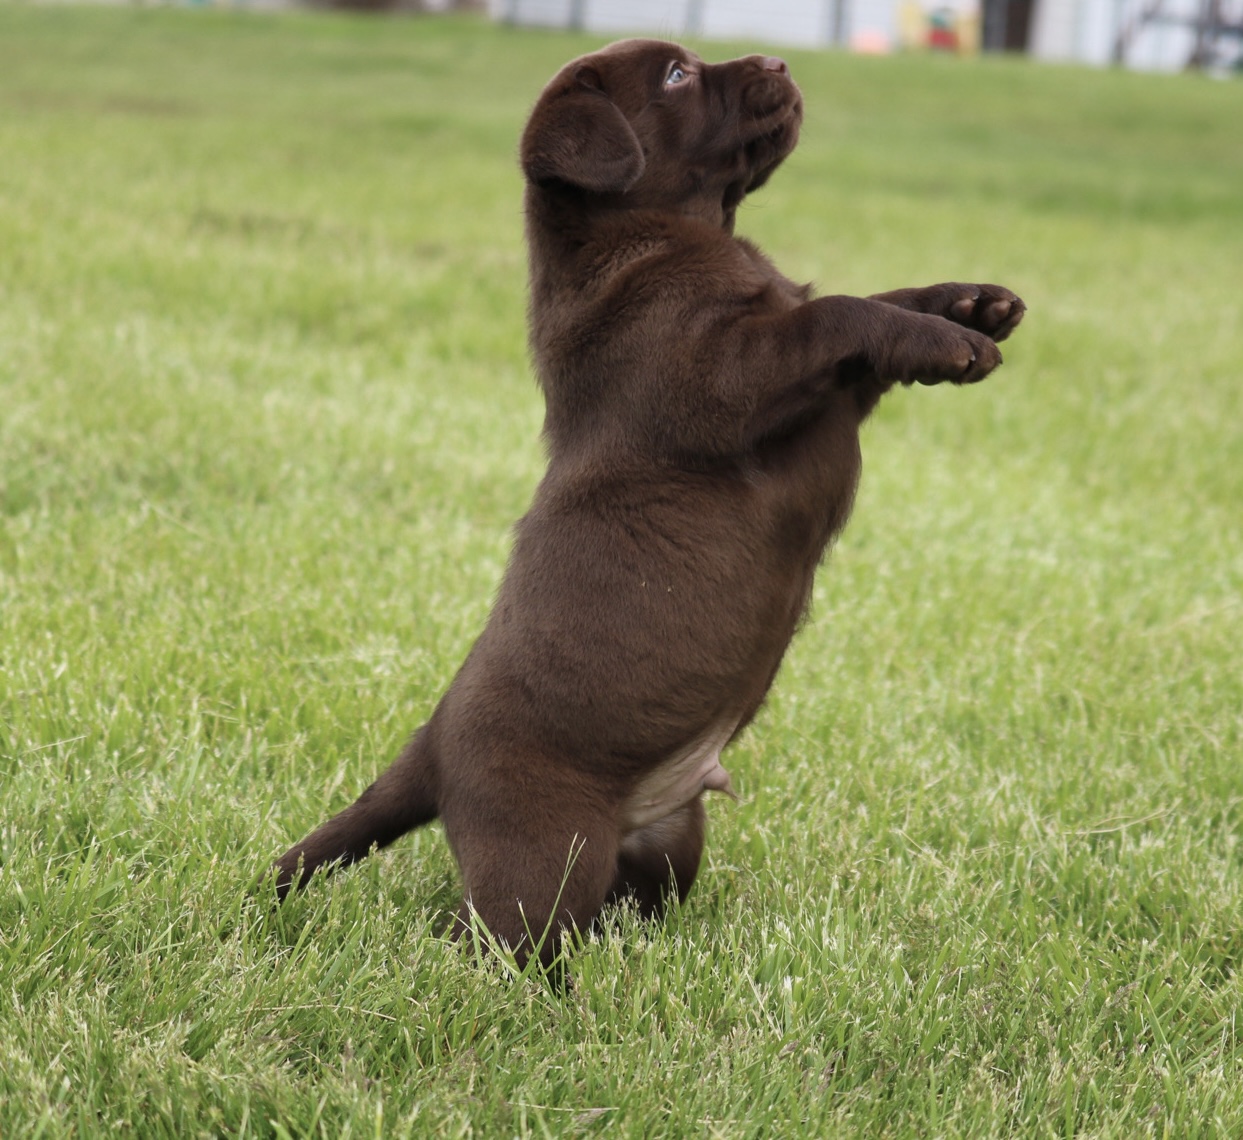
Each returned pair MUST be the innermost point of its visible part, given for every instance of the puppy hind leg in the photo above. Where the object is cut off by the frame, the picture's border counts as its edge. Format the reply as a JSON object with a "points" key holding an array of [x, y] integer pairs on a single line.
{"points": [[660, 861], [403, 798], [528, 888]]}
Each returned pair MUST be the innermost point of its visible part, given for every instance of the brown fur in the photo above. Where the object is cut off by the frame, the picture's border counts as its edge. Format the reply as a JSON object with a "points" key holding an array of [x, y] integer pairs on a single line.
{"points": [[702, 429]]}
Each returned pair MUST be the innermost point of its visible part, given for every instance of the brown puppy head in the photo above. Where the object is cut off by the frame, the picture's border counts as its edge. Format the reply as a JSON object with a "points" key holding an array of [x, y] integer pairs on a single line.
{"points": [[649, 125]]}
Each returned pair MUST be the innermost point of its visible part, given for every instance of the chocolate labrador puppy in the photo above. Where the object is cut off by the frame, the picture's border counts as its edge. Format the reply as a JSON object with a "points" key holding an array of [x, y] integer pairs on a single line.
{"points": [[702, 430]]}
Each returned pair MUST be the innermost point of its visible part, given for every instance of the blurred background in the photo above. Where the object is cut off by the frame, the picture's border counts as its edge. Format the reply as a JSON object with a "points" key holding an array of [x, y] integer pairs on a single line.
{"points": [[1161, 35], [267, 417], [1151, 34]]}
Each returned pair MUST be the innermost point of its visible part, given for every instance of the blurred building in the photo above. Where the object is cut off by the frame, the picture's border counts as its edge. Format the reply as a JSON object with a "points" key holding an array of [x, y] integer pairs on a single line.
{"points": [[1152, 34]]}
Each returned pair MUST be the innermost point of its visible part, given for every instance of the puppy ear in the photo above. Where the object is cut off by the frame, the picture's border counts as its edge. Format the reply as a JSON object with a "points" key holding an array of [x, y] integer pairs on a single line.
{"points": [[577, 135]]}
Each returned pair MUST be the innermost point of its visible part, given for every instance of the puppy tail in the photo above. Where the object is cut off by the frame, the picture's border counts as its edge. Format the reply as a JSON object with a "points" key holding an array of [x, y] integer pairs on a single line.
{"points": [[403, 798]]}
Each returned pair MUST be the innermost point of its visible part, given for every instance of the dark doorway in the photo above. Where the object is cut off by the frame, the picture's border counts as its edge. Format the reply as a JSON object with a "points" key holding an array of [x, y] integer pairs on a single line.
{"points": [[1006, 24]]}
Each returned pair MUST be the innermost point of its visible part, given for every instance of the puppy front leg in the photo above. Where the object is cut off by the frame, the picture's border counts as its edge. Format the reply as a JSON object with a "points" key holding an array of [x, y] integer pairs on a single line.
{"points": [[992, 309], [784, 366], [831, 341]]}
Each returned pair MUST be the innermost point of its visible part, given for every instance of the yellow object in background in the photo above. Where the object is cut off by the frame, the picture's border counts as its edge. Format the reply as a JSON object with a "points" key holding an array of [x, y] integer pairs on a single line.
{"points": [[940, 28], [912, 25]]}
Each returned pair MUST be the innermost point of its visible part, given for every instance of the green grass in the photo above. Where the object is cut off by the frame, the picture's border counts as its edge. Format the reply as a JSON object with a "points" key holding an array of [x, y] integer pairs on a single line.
{"points": [[265, 419]]}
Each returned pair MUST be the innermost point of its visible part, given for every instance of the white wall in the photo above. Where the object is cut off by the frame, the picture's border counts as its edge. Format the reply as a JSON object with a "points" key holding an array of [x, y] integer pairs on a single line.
{"points": [[1086, 31], [797, 22], [661, 18], [1073, 30], [804, 22]]}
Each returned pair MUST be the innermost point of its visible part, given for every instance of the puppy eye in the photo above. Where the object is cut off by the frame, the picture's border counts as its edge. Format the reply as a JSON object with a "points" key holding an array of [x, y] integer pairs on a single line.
{"points": [[677, 74]]}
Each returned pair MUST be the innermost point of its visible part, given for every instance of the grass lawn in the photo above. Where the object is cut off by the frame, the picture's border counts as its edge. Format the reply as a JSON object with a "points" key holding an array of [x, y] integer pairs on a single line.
{"points": [[265, 420]]}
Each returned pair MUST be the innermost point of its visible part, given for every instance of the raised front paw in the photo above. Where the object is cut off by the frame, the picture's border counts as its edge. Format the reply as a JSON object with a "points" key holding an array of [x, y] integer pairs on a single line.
{"points": [[992, 309], [930, 350]]}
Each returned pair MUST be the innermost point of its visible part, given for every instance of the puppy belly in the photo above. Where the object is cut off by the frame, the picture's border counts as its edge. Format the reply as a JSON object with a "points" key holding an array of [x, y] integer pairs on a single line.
{"points": [[685, 775]]}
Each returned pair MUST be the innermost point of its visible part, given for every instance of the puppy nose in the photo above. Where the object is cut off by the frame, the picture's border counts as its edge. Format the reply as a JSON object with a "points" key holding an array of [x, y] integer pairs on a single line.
{"points": [[775, 63]]}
